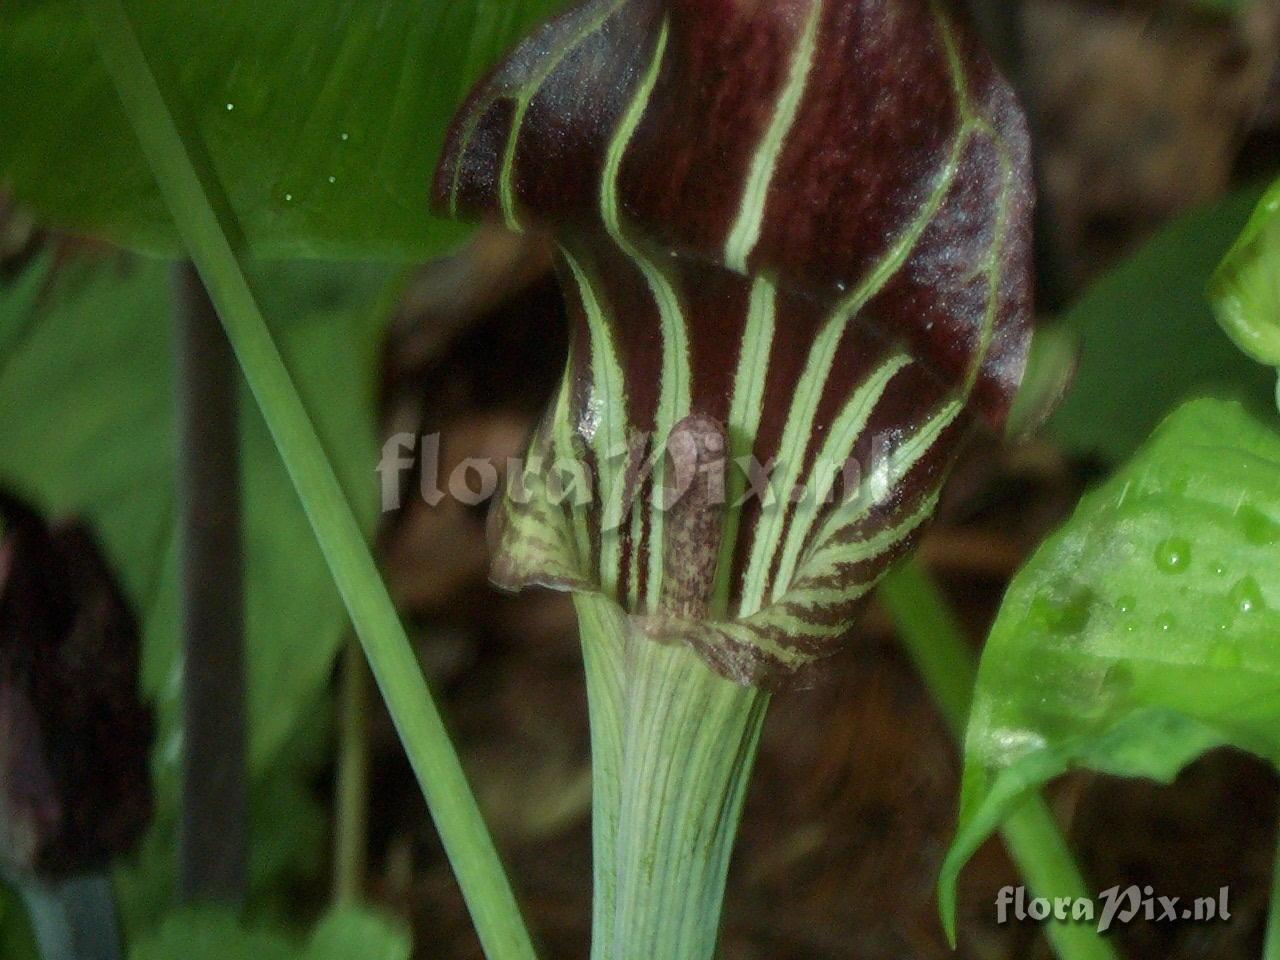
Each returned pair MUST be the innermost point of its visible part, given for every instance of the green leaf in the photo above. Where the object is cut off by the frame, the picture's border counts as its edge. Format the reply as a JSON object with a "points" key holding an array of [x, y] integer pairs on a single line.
{"points": [[1150, 340], [1144, 633], [351, 934], [212, 933], [287, 821], [88, 429], [1246, 288], [17, 305], [322, 121], [87, 390], [16, 940]]}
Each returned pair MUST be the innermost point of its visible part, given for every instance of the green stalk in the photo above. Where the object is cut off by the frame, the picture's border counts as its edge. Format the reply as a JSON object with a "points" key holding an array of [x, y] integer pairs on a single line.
{"points": [[421, 728], [935, 642], [1271, 950], [673, 746]]}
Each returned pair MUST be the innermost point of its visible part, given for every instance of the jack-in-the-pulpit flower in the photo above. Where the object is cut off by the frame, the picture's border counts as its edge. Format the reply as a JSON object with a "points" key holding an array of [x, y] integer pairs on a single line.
{"points": [[806, 221], [75, 738], [793, 238]]}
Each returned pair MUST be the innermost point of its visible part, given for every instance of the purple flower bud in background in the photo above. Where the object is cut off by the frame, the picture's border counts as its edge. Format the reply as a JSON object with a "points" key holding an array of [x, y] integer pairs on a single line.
{"points": [[75, 784]]}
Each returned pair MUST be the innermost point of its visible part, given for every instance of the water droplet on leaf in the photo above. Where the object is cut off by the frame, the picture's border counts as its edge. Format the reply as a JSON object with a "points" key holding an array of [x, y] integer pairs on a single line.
{"points": [[1065, 617], [1127, 604], [1173, 555], [1166, 623], [1246, 596], [1118, 679]]}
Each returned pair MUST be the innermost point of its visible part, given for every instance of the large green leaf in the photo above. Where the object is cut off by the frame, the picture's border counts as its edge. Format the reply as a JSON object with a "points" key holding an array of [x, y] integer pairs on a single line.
{"points": [[322, 120], [86, 392], [1150, 340], [1144, 633]]}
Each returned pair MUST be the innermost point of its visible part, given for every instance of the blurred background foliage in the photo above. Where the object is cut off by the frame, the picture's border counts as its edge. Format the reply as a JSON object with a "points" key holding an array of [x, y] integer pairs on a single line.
{"points": [[320, 121]]}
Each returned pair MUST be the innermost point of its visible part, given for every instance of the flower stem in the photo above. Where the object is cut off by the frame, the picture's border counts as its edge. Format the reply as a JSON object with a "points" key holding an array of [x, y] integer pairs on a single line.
{"points": [[214, 844], [74, 919], [673, 748], [351, 804], [439, 771], [935, 642]]}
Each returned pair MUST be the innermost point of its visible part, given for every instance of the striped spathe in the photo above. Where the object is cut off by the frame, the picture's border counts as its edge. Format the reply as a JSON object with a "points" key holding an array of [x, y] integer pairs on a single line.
{"points": [[806, 221]]}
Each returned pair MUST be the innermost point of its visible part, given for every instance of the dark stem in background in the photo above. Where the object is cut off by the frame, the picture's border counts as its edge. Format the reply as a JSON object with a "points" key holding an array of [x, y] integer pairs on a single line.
{"points": [[213, 855], [351, 835]]}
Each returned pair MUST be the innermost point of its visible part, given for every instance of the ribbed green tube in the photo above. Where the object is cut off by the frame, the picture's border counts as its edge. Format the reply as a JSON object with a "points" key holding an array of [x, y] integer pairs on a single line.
{"points": [[674, 745]]}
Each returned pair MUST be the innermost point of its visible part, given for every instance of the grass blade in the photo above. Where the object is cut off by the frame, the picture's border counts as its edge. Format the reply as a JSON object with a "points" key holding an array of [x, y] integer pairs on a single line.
{"points": [[421, 728]]}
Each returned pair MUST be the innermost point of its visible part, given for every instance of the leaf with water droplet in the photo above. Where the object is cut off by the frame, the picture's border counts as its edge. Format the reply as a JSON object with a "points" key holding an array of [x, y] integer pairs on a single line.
{"points": [[1246, 596], [1173, 555], [1258, 528], [1169, 666], [278, 94]]}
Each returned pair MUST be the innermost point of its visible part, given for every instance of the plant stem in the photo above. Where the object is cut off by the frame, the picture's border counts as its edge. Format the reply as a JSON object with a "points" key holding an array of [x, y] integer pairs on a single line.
{"points": [[394, 665], [352, 803], [1271, 950], [73, 919], [673, 745], [936, 643], [214, 842]]}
